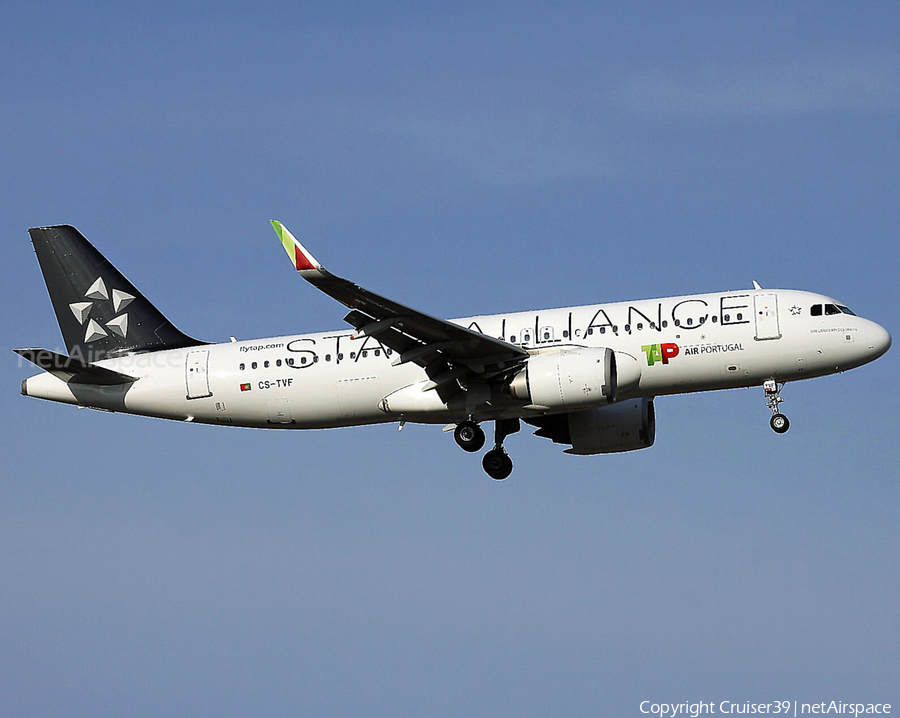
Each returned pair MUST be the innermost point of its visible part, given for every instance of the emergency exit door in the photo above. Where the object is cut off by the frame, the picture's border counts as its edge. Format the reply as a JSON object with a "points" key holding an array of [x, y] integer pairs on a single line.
{"points": [[766, 312]]}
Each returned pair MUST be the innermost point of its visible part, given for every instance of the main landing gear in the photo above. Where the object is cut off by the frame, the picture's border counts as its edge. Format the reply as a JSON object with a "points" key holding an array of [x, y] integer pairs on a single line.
{"points": [[469, 435], [496, 462], [779, 422]]}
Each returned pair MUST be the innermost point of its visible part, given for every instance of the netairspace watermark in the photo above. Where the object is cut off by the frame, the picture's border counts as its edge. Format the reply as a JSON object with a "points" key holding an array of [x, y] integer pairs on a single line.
{"points": [[784, 708]]}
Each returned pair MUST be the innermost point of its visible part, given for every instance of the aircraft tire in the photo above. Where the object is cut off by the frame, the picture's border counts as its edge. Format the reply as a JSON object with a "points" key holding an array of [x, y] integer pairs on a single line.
{"points": [[497, 464], [469, 436], [779, 423]]}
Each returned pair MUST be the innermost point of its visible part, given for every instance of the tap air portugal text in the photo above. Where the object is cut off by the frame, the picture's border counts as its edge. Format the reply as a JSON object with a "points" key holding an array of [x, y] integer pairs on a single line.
{"points": [[585, 377]]}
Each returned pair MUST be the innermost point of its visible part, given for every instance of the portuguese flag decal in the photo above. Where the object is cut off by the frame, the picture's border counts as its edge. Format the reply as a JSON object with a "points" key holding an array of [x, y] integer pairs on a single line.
{"points": [[245, 387]]}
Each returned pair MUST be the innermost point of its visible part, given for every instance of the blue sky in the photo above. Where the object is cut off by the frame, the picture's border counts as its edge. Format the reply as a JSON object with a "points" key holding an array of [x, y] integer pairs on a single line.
{"points": [[461, 159]]}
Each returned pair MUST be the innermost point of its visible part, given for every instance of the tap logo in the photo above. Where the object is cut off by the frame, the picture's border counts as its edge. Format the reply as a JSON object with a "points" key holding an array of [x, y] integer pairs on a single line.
{"points": [[660, 352]]}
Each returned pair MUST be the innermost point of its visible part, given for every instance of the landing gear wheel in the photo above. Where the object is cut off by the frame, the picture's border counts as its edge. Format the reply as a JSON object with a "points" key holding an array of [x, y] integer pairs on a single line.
{"points": [[469, 436], [779, 423], [497, 464]]}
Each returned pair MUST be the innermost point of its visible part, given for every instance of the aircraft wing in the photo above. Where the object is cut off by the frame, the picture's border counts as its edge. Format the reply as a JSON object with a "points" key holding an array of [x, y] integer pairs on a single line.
{"points": [[436, 344]]}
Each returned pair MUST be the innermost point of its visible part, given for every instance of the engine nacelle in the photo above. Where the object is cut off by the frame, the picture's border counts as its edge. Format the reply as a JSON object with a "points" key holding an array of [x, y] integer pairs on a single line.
{"points": [[567, 379], [625, 426]]}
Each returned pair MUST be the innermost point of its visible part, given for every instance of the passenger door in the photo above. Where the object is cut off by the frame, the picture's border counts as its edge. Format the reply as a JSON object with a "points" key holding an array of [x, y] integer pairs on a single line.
{"points": [[766, 313]]}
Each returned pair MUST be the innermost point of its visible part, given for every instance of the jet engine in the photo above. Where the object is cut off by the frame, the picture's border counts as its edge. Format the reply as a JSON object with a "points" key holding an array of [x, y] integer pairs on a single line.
{"points": [[575, 378], [625, 426], [568, 378]]}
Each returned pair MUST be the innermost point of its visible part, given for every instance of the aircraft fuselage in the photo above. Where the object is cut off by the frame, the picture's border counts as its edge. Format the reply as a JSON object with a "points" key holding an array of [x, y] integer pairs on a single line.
{"points": [[680, 344]]}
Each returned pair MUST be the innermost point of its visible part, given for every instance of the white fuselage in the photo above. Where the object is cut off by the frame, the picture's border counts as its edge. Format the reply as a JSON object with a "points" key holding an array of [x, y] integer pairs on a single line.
{"points": [[681, 344]]}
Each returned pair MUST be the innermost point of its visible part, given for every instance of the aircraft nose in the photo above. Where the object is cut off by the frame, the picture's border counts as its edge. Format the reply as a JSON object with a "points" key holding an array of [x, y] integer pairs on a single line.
{"points": [[879, 339]]}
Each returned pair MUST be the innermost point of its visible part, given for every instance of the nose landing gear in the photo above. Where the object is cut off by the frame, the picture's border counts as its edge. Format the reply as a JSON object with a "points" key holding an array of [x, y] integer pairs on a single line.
{"points": [[496, 462], [779, 422]]}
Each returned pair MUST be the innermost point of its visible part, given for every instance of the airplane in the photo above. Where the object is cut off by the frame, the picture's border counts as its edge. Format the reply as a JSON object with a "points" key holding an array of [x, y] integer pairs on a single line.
{"points": [[585, 377]]}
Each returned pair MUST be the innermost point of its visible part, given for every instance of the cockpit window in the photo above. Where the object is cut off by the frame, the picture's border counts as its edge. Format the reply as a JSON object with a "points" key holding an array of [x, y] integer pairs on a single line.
{"points": [[830, 310]]}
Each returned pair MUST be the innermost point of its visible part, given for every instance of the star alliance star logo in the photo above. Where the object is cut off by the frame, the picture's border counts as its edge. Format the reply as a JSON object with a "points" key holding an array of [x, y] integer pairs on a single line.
{"points": [[94, 330], [795, 311]]}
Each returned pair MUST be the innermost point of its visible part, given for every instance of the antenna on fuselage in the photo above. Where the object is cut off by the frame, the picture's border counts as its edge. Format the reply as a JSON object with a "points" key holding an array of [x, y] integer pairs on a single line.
{"points": [[756, 285]]}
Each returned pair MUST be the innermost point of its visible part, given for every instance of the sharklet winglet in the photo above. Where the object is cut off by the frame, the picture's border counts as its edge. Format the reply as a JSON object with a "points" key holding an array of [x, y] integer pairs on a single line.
{"points": [[299, 255]]}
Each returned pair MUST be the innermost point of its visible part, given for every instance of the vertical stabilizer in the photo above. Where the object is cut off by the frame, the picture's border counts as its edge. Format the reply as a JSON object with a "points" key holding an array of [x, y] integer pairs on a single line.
{"points": [[100, 313]]}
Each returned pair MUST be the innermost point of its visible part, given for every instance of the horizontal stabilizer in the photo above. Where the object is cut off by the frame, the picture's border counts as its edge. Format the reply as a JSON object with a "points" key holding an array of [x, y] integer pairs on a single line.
{"points": [[70, 369]]}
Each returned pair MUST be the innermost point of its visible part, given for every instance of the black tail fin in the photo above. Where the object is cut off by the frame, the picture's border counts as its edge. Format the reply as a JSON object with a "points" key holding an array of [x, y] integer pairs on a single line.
{"points": [[100, 313]]}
